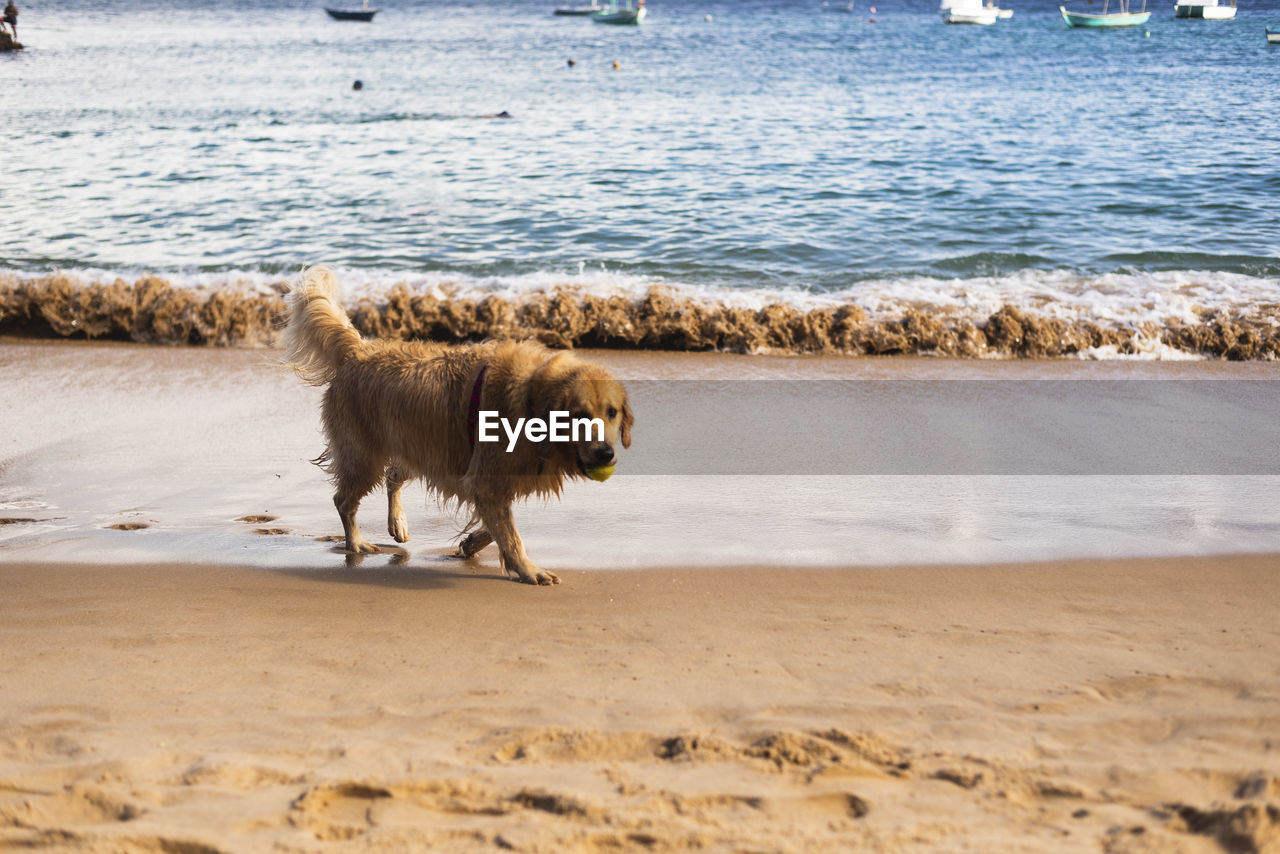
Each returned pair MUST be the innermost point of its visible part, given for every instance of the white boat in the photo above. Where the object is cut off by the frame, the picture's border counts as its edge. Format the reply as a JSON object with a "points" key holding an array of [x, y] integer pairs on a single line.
{"points": [[968, 12], [1210, 10], [1273, 36]]}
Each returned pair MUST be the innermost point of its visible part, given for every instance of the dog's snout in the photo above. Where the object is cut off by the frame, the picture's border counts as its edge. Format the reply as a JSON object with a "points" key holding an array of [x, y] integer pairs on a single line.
{"points": [[604, 455]]}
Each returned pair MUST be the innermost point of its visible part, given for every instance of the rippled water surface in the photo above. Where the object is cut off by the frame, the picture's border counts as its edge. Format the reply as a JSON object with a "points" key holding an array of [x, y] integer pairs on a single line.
{"points": [[770, 146]]}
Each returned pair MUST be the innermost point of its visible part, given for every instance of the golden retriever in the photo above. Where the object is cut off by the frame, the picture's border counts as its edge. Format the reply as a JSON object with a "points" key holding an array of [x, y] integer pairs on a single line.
{"points": [[399, 410]]}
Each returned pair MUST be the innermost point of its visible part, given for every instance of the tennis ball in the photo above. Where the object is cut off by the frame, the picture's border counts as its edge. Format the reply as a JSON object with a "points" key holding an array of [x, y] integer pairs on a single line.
{"points": [[600, 473]]}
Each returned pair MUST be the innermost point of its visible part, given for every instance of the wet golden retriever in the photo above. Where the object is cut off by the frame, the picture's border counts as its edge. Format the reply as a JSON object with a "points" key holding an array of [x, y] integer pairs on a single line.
{"points": [[395, 411]]}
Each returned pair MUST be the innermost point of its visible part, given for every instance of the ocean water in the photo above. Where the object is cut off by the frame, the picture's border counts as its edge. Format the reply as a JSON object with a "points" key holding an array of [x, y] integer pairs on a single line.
{"points": [[771, 152]]}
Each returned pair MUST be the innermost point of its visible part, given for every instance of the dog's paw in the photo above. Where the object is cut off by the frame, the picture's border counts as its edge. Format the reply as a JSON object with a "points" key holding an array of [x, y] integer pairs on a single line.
{"points": [[398, 528], [362, 547], [527, 573], [534, 575]]}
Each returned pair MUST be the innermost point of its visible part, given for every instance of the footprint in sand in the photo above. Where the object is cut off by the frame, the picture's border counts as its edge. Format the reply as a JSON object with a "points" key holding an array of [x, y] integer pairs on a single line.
{"points": [[129, 526], [75, 805], [261, 518]]}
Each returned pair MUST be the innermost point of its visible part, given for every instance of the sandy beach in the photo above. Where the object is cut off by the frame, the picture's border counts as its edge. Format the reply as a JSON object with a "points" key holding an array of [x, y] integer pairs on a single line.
{"points": [[1102, 706], [965, 661], [949, 519]]}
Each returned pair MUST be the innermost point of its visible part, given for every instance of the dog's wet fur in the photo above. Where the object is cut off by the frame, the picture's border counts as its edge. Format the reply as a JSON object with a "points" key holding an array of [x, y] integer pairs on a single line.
{"points": [[396, 411]]}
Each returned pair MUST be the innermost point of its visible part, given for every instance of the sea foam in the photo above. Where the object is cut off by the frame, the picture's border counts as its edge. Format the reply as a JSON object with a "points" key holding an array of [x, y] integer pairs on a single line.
{"points": [[1031, 313]]}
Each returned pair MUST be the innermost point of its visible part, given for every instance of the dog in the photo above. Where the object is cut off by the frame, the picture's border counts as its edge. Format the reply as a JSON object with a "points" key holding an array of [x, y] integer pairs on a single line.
{"points": [[396, 411]]}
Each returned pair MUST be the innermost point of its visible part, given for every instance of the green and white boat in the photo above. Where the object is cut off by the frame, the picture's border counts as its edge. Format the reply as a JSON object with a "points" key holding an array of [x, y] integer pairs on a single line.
{"points": [[615, 14], [1107, 18]]}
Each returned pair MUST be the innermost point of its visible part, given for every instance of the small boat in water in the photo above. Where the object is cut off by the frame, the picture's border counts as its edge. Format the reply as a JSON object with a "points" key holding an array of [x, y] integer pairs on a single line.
{"points": [[1107, 18], [364, 13], [1210, 10], [968, 12], [1273, 36], [615, 14], [578, 10]]}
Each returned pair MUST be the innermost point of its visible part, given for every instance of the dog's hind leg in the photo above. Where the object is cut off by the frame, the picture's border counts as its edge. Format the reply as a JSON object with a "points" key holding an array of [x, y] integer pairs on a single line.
{"points": [[354, 479], [397, 525], [474, 542], [497, 519]]}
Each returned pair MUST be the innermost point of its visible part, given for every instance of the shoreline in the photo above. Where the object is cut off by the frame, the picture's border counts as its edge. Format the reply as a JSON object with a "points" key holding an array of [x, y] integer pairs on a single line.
{"points": [[1124, 705], [205, 454]]}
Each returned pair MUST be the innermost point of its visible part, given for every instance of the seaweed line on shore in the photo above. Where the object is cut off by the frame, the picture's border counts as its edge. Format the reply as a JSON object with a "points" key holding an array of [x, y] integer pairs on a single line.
{"points": [[150, 310]]}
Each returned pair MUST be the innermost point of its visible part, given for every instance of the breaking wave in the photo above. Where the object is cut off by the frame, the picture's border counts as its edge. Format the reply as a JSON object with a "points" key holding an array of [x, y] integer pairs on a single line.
{"points": [[1029, 314]]}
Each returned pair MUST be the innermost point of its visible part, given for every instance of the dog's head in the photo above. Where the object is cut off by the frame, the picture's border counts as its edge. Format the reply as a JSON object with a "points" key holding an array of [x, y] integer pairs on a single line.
{"points": [[588, 393]]}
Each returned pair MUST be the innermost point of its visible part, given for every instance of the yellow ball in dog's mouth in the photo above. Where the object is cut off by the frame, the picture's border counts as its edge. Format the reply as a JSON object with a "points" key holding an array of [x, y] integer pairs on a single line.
{"points": [[600, 473]]}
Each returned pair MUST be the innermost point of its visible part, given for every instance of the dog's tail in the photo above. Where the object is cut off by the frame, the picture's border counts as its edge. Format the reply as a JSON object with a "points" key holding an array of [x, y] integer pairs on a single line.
{"points": [[319, 337]]}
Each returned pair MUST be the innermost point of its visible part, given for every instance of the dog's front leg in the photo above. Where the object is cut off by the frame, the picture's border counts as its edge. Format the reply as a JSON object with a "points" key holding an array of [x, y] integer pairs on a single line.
{"points": [[498, 522], [347, 506]]}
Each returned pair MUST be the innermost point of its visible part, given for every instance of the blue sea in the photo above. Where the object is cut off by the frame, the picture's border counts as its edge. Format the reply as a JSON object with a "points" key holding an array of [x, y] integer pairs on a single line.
{"points": [[734, 151]]}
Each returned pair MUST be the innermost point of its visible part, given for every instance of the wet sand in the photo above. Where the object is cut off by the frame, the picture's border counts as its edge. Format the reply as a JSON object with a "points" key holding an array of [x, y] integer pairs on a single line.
{"points": [[1119, 706], [117, 453]]}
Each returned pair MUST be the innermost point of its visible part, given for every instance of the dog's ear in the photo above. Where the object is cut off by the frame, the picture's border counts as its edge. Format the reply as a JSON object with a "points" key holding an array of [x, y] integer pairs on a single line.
{"points": [[628, 418]]}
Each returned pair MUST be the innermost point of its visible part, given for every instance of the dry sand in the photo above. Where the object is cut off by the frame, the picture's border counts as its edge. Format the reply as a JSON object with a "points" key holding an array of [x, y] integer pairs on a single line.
{"points": [[1090, 706]]}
